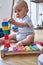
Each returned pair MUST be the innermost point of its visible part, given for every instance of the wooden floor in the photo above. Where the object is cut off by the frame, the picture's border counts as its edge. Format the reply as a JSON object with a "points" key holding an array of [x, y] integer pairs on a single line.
{"points": [[22, 59]]}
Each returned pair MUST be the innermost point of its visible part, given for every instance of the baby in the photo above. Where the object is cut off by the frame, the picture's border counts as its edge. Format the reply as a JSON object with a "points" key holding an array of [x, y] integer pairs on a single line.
{"points": [[25, 34]]}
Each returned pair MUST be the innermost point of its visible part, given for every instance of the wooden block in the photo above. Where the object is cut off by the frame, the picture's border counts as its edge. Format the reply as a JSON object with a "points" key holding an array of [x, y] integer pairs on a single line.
{"points": [[27, 48], [6, 40], [14, 48], [5, 31], [7, 45], [39, 46], [36, 48], [4, 23], [31, 47], [4, 27], [6, 36], [15, 27], [6, 49], [40, 43], [5, 19]]}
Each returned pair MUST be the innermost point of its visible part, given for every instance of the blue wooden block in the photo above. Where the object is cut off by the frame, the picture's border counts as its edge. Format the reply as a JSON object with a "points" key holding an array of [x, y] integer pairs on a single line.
{"points": [[1, 30], [4, 23], [36, 48], [1, 34], [6, 49], [9, 21], [8, 31], [15, 27]]}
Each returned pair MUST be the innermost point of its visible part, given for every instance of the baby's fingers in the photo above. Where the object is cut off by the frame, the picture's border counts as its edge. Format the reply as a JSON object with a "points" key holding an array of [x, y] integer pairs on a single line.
{"points": [[11, 20], [19, 44]]}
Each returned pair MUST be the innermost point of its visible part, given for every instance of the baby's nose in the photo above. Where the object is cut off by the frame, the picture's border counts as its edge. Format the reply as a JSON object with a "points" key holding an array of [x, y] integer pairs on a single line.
{"points": [[17, 13]]}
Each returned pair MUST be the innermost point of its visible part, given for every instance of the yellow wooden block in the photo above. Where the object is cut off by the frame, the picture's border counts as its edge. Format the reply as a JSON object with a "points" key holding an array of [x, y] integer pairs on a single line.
{"points": [[27, 48], [5, 28]]}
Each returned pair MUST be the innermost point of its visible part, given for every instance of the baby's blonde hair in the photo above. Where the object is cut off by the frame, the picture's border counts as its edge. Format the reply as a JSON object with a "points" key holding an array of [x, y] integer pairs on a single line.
{"points": [[22, 3]]}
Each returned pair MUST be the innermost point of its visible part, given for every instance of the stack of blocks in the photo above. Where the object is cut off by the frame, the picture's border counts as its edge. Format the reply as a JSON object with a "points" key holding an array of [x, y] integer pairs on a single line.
{"points": [[5, 32]]}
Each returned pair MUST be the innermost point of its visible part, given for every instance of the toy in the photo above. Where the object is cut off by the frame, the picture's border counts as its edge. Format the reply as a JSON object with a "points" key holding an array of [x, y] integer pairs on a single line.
{"points": [[39, 46], [15, 27], [40, 43], [20, 48], [31, 47], [36, 48], [15, 48], [5, 49], [9, 26], [1, 33], [5, 32], [27, 48], [12, 50]]}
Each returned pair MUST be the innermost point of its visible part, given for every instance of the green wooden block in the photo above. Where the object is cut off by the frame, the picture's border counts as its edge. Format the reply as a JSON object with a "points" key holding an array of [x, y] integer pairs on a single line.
{"points": [[5, 32], [31, 47]]}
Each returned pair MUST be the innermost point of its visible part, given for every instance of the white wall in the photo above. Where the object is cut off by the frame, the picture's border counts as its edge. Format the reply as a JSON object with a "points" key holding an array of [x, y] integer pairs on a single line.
{"points": [[36, 10], [40, 18], [5, 9], [33, 14]]}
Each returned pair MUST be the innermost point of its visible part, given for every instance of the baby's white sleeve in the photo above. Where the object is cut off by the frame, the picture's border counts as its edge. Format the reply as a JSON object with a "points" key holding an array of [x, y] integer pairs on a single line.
{"points": [[28, 21]]}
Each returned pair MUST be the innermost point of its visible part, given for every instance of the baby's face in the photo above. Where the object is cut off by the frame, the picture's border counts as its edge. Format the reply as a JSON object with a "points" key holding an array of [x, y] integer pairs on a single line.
{"points": [[20, 11]]}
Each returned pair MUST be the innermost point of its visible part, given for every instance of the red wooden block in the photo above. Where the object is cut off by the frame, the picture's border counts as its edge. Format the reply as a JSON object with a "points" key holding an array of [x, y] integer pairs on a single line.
{"points": [[7, 45], [41, 43], [7, 41], [6, 36]]}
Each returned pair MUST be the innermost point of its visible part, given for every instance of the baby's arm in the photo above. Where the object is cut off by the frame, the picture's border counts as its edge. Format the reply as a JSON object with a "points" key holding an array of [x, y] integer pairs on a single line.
{"points": [[18, 23]]}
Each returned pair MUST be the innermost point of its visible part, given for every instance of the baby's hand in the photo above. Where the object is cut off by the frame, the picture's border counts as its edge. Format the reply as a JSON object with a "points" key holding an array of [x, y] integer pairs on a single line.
{"points": [[19, 44], [12, 21]]}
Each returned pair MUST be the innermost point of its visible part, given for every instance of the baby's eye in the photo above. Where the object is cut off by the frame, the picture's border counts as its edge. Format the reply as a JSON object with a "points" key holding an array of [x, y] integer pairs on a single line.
{"points": [[19, 10], [15, 11]]}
